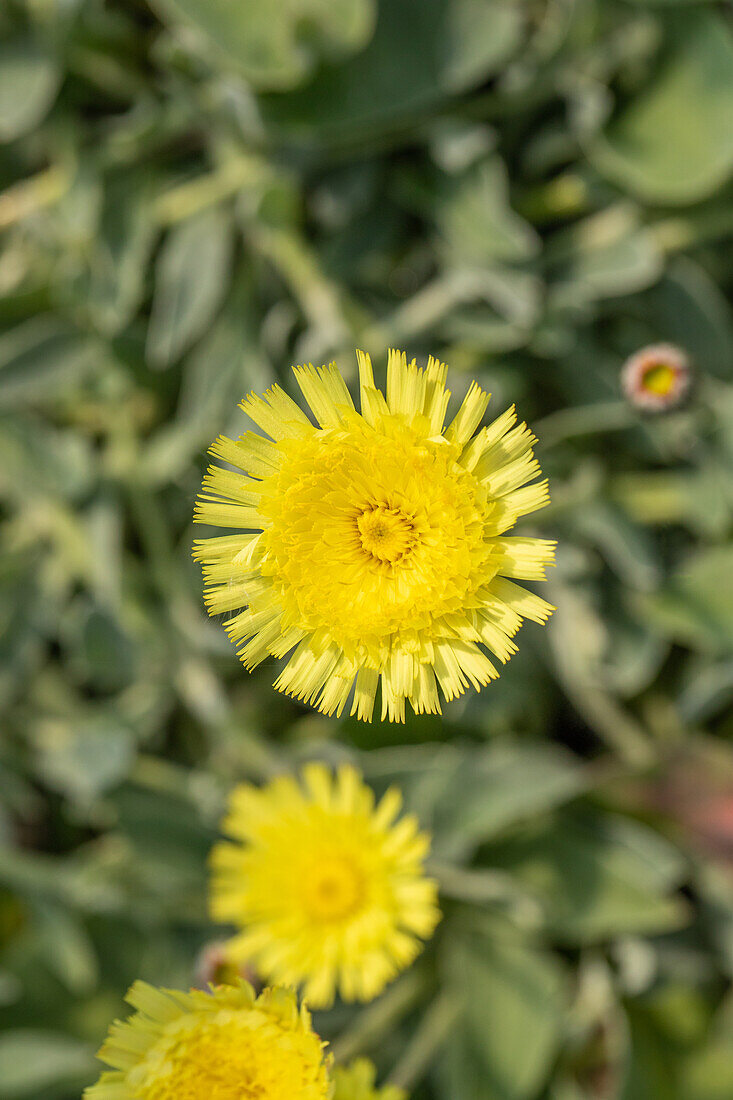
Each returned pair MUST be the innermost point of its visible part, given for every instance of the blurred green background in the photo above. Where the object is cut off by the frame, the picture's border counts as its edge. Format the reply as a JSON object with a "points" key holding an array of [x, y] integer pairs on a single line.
{"points": [[196, 194]]}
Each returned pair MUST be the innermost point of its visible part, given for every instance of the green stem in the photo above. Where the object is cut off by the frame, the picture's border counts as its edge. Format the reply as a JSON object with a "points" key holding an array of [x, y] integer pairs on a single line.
{"points": [[380, 1017], [186, 199], [434, 1028], [299, 267], [565, 424], [30, 195]]}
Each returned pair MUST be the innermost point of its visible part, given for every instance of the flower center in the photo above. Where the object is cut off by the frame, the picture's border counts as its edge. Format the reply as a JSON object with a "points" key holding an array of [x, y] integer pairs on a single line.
{"points": [[386, 533], [207, 1069], [221, 1059], [334, 890], [660, 379]]}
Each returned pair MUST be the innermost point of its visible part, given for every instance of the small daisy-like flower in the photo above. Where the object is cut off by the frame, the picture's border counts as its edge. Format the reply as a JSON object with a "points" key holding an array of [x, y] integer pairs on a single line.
{"points": [[656, 378], [356, 1082], [374, 545], [223, 1045], [327, 888]]}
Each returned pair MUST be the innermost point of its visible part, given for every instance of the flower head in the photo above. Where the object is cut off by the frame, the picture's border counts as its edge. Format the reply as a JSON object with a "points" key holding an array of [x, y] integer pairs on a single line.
{"points": [[374, 545], [657, 377], [328, 890], [222, 1045], [356, 1082]]}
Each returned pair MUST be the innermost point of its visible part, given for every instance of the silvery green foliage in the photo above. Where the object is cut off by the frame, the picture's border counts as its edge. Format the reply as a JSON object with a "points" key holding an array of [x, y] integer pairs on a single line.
{"points": [[192, 197]]}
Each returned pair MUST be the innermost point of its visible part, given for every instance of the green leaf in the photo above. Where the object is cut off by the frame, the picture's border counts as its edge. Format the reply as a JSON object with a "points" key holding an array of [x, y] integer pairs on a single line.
{"points": [[461, 1071], [477, 223], [600, 257], [191, 279], [166, 830], [85, 757], [664, 3], [115, 283], [67, 947], [40, 358], [513, 1004], [709, 1074], [627, 549], [37, 458], [223, 366], [690, 310], [100, 650], [696, 605], [665, 1027], [34, 1060], [21, 607], [673, 142], [29, 82], [276, 45], [73, 881], [597, 876], [422, 52], [696, 499], [497, 787]]}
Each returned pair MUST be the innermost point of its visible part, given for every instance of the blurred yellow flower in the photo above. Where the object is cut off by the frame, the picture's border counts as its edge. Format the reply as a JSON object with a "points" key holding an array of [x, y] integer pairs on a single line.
{"points": [[356, 1082], [222, 1045], [374, 545], [328, 889]]}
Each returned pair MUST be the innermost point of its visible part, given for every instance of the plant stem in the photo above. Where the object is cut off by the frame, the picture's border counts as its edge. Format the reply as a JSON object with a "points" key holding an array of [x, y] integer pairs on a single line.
{"points": [[606, 416], [31, 195], [381, 1016], [433, 1030]]}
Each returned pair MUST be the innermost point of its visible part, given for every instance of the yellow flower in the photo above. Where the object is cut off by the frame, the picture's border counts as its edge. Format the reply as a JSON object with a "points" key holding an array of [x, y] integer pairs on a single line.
{"points": [[223, 1045], [328, 889], [356, 1082], [374, 545]]}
